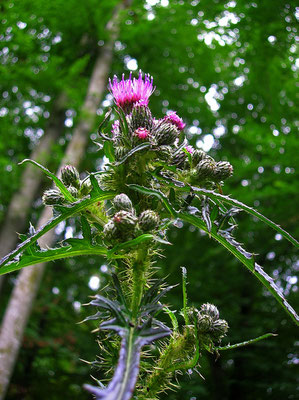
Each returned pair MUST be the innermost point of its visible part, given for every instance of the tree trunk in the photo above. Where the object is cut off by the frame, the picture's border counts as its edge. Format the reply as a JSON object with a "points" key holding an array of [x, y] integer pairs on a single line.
{"points": [[16, 216], [24, 292]]}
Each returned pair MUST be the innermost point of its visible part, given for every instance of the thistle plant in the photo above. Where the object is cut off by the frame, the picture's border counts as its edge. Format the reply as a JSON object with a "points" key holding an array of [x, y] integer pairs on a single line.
{"points": [[153, 179]]}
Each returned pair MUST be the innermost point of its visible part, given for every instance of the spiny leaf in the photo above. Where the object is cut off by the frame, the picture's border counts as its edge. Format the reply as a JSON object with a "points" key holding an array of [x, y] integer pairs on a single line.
{"points": [[108, 150], [65, 212], [235, 203], [95, 185], [156, 193], [86, 230], [140, 147], [57, 181], [205, 210], [246, 258], [32, 256], [249, 210]]}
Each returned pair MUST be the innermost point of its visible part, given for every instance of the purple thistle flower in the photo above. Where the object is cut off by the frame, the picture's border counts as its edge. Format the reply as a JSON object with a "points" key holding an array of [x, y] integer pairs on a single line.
{"points": [[173, 118], [127, 92]]}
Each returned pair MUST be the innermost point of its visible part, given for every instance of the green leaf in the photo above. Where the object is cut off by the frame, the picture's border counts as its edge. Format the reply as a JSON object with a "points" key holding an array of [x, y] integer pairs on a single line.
{"points": [[109, 151], [156, 193], [86, 230], [249, 210], [77, 247], [57, 181], [134, 242], [95, 185], [140, 147], [65, 212], [226, 199], [246, 259], [205, 211]]}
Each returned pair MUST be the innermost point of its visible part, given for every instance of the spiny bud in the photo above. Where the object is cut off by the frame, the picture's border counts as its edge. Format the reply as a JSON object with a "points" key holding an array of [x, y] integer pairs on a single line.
{"points": [[180, 160], [85, 188], [211, 310], [122, 202], [164, 152], [70, 176], [174, 119], [148, 220], [165, 132], [197, 156], [205, 169], [223, 170], [219, 329], [125, 221], [140, 116], [110, 231], [52, 197], [204, 323], [73, 191]]}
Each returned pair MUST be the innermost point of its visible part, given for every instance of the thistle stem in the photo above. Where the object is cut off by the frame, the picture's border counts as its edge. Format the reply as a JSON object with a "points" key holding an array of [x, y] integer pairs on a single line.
{"points": [[175, 356], [139, 269]]}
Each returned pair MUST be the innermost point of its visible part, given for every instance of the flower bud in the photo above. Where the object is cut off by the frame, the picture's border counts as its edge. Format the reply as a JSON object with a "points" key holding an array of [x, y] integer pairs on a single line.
{"points": [[197, 156], [70, 176], [219, 329], [164, 152], [122, 202], [204, 323], [174, 119], [73, 191], [180, 160], [165, 132], [148, 220], [140, 116], [52, 197], [125, 221], [223, 170], [205, 169], [211, 310], [110, 231]]}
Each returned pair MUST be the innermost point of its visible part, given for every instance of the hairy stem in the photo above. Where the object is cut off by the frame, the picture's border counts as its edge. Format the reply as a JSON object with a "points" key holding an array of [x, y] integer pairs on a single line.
{"points": [[139, 268], [177, 355]]}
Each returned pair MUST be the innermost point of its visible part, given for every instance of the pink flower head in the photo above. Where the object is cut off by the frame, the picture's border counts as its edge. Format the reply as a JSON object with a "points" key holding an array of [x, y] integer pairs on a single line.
{"points": [[174, 119], [127, 92], [189, 149], [142, 133]]}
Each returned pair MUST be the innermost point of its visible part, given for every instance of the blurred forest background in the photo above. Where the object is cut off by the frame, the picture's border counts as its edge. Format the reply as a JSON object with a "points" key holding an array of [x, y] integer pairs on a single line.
{"points": [[229, 69]]}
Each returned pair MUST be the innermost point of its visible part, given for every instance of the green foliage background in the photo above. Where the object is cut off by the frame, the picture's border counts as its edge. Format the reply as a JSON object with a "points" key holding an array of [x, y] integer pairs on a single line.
{"points": [[238, 57]]}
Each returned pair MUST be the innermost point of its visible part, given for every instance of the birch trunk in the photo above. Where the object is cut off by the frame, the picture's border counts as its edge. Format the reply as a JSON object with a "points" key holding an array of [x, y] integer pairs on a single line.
{"points": [[24, 292]]}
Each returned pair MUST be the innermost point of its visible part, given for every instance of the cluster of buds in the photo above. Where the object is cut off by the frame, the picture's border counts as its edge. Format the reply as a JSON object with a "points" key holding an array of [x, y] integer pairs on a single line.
{"points": [[209, 326], [163, 135], [132, 95], [125, 225], [71, 179]]}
